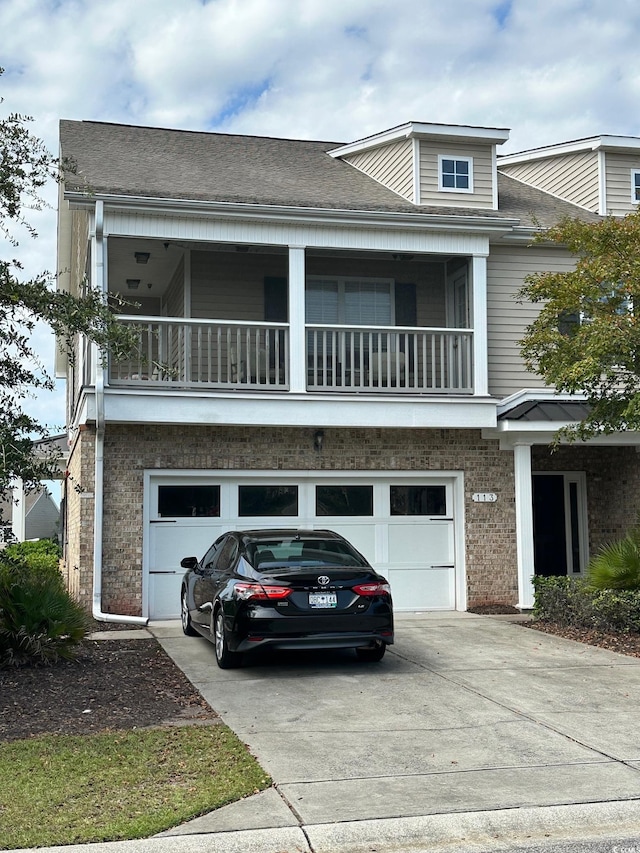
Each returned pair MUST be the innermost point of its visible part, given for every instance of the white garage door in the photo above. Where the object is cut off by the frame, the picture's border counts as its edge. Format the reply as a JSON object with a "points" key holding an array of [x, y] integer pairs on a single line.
{"points": [[403, 525]]}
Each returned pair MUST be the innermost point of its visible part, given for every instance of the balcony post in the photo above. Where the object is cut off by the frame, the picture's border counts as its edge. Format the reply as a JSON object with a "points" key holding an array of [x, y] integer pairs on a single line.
{"points": [[297, 342], [479, 321]]}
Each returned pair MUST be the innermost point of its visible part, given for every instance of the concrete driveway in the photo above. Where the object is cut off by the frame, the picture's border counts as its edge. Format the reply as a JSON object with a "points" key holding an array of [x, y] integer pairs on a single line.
{"points": [[466, 715]]}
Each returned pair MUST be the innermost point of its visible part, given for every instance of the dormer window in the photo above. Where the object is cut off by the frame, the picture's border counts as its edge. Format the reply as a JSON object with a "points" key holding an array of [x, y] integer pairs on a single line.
{"points": [[635, 186], [455, 174]]}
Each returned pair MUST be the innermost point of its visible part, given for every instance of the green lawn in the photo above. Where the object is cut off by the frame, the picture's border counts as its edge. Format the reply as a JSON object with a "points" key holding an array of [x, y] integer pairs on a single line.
{"points": [[61, 789]]}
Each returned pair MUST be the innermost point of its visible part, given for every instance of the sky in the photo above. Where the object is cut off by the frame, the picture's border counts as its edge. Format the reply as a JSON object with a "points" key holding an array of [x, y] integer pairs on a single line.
{"points": [[333, 70]]}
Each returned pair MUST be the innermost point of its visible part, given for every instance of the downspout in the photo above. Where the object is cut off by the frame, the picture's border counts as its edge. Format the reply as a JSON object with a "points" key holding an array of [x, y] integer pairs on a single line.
{"points": [[98, 505]]}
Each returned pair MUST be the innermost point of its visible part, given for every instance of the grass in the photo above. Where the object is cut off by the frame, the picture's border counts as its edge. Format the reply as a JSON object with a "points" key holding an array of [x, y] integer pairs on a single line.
{"points": [[63, 789]]}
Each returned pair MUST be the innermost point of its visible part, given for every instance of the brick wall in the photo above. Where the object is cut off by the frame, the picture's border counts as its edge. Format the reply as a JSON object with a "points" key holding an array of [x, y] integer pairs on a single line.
{"points": [[129, 450], [78, 492]]}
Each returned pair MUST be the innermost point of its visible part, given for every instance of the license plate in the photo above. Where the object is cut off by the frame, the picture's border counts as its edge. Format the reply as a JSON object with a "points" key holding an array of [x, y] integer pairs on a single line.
{"points": [[323, 599]]}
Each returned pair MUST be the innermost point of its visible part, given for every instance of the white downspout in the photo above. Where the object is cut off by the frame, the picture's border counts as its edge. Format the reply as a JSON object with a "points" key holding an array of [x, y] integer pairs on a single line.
{"points": [[100, 279]]}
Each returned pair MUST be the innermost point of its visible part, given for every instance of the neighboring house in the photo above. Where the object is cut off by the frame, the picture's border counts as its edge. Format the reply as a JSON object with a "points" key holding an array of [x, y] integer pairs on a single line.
{"points": [[34, 515], [328, 337]]}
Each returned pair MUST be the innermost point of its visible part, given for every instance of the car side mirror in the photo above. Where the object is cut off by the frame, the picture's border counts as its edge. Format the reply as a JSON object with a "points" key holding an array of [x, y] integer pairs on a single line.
{"points": [[189, 562]]}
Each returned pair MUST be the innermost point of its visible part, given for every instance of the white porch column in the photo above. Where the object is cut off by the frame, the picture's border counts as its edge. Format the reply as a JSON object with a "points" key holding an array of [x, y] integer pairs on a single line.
{"points": [[479, 312], [297, 342], [524, 523]]}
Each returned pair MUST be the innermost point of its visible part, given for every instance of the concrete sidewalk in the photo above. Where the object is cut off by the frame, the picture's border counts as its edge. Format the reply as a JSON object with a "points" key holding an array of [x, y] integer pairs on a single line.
{"points": [[472, 732]]}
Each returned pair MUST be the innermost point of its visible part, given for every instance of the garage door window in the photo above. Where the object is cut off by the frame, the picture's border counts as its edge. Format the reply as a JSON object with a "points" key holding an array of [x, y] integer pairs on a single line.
{"points": [[418, 500], [267, 500], [344, 500], [188, 501]]}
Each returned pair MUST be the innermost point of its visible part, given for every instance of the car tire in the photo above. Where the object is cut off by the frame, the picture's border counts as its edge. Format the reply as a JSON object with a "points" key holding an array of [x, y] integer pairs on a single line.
{"points": [[224, 658], [185, 618], [371, 654]]}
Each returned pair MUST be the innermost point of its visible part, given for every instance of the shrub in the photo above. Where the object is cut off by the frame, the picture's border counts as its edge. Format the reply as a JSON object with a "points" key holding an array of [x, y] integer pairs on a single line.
{"points": [[39, 621], [617, 566], [574, 602]]}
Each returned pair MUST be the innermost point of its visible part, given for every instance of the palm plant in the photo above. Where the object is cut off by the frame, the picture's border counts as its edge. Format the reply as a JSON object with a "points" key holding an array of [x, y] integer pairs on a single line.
{"points": [[617, 565]]}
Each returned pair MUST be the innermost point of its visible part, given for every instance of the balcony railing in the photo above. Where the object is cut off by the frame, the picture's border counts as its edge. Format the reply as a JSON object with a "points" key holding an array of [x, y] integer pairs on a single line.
{"points": [[177, 352], [413, 360], [213, 354]]}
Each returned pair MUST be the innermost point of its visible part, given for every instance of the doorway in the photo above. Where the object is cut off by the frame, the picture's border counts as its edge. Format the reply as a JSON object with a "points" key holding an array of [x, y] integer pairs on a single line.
{"points": [[559, 524]]}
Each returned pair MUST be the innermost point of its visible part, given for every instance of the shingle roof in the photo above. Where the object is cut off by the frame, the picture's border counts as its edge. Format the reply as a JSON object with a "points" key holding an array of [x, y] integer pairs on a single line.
{"points": [[176, 164]]}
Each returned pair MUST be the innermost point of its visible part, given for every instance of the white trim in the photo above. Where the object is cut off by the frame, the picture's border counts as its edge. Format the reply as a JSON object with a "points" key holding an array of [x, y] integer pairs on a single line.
{"points": [[416, 171], [524, 523], [141, 207], [602, 183], [423, 130], [634, 187], [299, 410], [494, 177], [456, 159], [593, 143]]}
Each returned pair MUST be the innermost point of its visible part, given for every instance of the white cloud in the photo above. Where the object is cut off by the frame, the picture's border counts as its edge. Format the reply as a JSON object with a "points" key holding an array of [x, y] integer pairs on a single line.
{"points": [[550, 70]]}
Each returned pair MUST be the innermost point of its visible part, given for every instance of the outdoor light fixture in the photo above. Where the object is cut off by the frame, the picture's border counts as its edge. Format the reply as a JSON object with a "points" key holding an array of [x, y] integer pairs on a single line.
{"points": [[133, 283], [142, 257], [318, 439]]}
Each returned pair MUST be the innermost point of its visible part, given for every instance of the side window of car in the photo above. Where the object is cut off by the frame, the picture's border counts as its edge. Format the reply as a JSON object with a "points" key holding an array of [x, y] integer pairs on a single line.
{"points": [[209, 560], [227, 555]]}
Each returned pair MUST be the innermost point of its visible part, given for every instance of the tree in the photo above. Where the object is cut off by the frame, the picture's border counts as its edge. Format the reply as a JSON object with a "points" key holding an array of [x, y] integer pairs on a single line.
{"points": [[25, 168], [586, 338]]}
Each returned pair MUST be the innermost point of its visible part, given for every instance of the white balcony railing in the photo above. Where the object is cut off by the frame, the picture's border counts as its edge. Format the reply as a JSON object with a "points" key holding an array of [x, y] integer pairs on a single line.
{"points": [[177, 352], [197, 353], [413, 360]]}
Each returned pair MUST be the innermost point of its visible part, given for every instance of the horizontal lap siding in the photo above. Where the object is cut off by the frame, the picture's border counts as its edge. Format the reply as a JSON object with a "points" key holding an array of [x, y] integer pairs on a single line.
{"points": [[573, 177], [390, 165], [507, 318], [618, 182], [230, 285], [482, 195]]}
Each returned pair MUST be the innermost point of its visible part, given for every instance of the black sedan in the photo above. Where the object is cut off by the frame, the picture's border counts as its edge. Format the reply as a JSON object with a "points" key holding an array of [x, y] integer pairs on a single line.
{"points": [[285, 589]]}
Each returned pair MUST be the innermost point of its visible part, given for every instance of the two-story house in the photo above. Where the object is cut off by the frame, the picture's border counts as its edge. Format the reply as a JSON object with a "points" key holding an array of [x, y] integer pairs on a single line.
{"points": [[328, 337]]}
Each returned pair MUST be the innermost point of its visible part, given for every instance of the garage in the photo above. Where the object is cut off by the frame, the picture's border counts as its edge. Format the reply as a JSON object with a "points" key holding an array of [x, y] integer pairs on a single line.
{"points": [[407, 525]]}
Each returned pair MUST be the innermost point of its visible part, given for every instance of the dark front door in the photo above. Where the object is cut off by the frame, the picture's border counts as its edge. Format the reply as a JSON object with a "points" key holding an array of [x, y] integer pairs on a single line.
{"points": [[549, 525]]}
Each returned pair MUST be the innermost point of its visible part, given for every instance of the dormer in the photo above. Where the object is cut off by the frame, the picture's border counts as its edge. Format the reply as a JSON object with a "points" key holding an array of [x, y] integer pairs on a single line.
{"points": [[600, 174], [432, 165]]}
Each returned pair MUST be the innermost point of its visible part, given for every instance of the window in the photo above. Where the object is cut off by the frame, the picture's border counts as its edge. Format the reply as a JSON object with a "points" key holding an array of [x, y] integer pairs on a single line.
{"points": [[188, 501], [455, 174], [350, 301], [418, 500], [267, 500], [344, 500], [635, 186]]}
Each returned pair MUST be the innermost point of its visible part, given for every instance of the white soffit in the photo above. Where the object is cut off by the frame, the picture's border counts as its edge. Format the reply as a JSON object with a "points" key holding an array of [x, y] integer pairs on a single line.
{"points": [[594, 143]]}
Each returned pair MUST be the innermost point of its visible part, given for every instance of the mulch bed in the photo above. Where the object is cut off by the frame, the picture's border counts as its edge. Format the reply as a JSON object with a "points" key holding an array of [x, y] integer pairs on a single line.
{"points": [[113, 685], [624, 643]]}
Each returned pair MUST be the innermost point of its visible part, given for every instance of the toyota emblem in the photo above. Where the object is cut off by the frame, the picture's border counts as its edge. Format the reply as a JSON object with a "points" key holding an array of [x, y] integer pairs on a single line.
{"points": [[323, 580]]}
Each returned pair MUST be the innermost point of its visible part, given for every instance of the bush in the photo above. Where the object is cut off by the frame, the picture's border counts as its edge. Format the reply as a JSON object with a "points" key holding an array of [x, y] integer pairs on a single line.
{"points": [[574, 602], [39, 621], [617, 566]]}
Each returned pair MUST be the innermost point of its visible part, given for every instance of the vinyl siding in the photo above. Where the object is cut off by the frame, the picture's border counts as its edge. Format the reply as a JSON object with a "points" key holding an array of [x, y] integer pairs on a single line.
{"points": [[507, 318], [482, 195], [390, 165], [573, 177], [618, 182]]}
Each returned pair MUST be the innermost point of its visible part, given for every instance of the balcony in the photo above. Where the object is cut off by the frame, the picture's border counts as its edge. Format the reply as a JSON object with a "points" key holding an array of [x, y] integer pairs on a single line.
{"points": [[179, 353]]}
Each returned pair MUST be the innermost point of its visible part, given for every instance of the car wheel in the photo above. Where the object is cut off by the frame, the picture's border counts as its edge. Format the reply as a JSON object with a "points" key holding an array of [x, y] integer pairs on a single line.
{"points": [[224, 658], [372, 653], [187, 627]]}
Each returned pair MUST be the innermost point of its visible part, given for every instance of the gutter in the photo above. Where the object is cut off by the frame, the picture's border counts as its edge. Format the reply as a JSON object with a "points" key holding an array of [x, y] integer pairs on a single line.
{"points": [[98, 511]]}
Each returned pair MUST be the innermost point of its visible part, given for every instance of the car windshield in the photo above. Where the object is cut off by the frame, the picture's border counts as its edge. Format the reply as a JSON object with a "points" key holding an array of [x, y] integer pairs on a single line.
{"points": [[300, 551]]}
